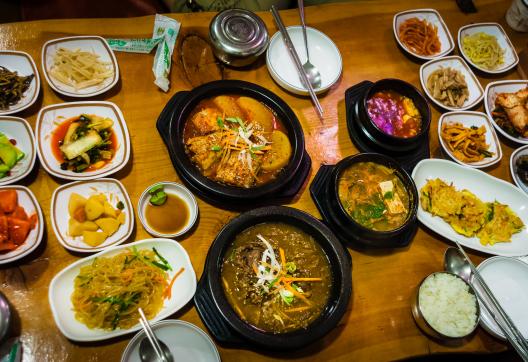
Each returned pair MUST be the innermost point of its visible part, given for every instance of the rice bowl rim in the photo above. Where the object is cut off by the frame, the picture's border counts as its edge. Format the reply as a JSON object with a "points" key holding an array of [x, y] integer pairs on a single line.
{"points": [[421, 315]]}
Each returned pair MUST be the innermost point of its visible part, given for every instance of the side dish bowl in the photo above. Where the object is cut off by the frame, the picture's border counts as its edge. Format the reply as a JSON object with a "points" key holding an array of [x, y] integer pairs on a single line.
{"points": [[472, 119], [514, 169], [385, 140], [24, 65], [62, 286], [338, 260], [433, 17], [19, 130]]}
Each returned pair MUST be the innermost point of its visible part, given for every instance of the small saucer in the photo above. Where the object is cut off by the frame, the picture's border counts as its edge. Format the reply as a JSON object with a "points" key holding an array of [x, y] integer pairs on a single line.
{"points": [[172, 188]]}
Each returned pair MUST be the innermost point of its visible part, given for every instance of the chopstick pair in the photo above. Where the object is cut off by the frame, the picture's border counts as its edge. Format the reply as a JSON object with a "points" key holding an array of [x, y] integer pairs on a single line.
{"points": [[151, 336], [296, 60], [511, 332]]}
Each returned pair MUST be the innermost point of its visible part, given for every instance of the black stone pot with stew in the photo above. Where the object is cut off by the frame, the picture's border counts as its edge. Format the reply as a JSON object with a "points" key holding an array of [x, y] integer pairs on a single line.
{"points": [[382, 138], [184, 106], [304, 249], [375, 223]]}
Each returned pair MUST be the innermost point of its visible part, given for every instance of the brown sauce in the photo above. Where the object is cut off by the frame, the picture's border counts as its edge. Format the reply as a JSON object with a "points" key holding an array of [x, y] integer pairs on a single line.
{"points": [[169, 218]]}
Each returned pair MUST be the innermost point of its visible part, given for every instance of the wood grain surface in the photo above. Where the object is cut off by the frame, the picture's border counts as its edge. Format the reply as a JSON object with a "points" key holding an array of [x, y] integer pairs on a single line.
{"points": [[378, 324]]}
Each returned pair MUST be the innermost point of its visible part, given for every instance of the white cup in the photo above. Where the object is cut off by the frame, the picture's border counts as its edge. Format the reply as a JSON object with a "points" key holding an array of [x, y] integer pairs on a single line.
{"points": [[517, 15]]}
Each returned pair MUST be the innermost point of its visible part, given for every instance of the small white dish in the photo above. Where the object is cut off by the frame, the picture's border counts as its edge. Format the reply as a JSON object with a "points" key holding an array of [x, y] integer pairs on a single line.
{"points": [[51, 116], [476, 93], [19, 130], [432, 17], [91, 43], [24, 65], [324, 55], [186, 342], [522, 151], [507, 279], [114, 191], [510, 55], [175, 189], [470, 119], [493, 89], [29, 202], [62, 285], [488, 189]]}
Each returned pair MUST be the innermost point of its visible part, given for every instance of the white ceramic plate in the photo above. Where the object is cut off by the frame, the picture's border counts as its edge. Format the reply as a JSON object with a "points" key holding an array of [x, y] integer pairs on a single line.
{"points": [[488, 189], [432, 17], [510, 55], [51, 116], [29, 202], [470, 119], [495, 88], [61, 289], [324, 54], [523, 151], [186, 342], [114, 191], [92, 43], [19, 130], [476, 93], [175, 189], [24, 65], [507, 278]]}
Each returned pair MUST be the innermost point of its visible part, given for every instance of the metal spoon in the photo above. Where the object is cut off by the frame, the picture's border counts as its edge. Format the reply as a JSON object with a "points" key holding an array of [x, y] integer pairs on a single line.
{"points": [[312, 73], [455, 263], [5, 317], [151, 349], [148, 354]]}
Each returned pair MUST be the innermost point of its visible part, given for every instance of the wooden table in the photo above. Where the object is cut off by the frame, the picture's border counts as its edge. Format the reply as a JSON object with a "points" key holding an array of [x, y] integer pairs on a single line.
{"points": [[378, 324]]}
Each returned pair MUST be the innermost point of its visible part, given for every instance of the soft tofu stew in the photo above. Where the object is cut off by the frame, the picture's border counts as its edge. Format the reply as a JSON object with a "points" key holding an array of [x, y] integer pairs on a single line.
{"points": [[276, 277], [374, 196], [237, 141]]}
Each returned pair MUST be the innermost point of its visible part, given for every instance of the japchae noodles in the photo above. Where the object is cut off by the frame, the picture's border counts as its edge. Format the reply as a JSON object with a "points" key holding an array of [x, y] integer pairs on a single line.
{"points": [[108, 293]]}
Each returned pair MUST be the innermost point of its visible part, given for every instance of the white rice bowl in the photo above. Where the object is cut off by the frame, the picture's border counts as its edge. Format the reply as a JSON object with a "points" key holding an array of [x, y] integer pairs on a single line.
{"points": [[448, 305]]}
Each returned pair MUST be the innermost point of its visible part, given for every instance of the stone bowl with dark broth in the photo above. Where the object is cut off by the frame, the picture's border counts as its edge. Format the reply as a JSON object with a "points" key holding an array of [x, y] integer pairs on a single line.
{"points": [[298, 288], [309, 250]]}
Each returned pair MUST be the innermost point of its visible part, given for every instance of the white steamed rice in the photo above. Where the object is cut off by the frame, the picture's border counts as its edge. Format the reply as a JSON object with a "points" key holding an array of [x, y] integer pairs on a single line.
{"points": [[447, 304]]}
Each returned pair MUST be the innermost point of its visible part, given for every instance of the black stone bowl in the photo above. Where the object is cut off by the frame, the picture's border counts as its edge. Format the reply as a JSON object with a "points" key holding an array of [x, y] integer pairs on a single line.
{"points": [[382, 139], [340, 264], [218, 191], [356, 231]]}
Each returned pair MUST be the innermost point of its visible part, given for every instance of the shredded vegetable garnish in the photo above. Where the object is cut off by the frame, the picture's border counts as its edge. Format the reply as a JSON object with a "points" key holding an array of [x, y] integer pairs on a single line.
{"points": [[275, 275]]}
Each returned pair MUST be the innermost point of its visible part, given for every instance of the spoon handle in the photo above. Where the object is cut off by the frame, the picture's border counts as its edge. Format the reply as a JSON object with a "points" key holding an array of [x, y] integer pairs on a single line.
{"points": [[151, 336], [300, 4]]}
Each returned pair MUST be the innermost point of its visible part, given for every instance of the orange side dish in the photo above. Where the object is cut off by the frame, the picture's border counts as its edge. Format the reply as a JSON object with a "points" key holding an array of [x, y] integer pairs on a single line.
{"points": [[15, 224], [420, 37]]}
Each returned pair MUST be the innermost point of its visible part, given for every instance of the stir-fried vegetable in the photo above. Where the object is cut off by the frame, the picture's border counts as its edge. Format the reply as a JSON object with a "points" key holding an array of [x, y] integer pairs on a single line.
{"points": [[12, 87]]}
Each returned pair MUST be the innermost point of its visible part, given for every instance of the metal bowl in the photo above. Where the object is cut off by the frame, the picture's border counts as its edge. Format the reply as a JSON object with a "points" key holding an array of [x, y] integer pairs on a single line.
{"points": [[422, 322], [5, 317], [238, 37]]}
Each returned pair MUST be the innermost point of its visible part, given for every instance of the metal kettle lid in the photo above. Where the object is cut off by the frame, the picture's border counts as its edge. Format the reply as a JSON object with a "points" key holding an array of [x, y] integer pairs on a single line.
{"points": [[239, 32]]}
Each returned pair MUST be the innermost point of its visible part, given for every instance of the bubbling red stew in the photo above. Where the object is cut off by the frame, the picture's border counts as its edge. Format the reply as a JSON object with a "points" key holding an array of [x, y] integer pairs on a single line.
{"points": [[276, 277], [394, 114], [237, 141]]}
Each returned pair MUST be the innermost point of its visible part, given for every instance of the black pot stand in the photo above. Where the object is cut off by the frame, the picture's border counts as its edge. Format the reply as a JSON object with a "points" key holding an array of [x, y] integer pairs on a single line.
{"points": [[319, 191], [285, 194], [364, 143]]}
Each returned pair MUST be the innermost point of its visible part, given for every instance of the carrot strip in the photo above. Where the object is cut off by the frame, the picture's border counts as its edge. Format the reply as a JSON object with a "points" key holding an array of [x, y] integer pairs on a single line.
{"points": [[168, 290], [302, 279], [255, 269], [283, 258], [296, 293]]}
